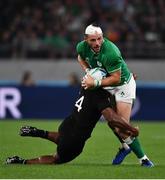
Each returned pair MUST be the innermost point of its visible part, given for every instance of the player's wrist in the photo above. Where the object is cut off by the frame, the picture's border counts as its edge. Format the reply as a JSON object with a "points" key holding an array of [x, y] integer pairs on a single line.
{"points": [[87, 70], [97, 83]]}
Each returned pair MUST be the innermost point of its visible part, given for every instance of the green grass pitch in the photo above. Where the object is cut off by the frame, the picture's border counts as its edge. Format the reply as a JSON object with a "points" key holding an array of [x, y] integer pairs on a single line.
{"points": [[93, 163]]}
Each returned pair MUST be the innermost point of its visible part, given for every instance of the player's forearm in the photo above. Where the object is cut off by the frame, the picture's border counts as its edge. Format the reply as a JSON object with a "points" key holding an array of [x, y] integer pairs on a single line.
{"points": [[84, 65], [109, 81]]}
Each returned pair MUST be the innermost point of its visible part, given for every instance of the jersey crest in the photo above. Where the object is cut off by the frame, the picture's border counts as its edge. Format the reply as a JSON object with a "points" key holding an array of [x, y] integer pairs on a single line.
{"points": [[99, 64], [87, 58]]}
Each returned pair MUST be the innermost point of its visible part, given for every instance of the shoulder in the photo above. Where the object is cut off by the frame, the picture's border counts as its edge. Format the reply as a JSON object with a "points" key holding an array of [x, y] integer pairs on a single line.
{"points": [[80, 46], [110, 49]]}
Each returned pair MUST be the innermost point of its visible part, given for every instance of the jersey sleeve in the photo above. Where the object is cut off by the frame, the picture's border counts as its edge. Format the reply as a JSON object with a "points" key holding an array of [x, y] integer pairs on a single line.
{"points": [[80, 50], [113, 62]]}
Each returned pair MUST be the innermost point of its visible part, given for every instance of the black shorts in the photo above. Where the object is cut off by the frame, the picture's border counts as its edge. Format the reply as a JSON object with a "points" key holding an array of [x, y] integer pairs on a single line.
{"points": [[70, 143]]}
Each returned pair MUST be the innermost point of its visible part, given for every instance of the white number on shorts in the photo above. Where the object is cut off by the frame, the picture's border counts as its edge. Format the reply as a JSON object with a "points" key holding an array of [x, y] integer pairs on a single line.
{"points": [[78, 103]]}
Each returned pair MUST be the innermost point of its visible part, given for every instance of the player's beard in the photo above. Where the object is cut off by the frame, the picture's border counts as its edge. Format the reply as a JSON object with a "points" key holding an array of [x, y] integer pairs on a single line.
{"points": [[97, 48]]}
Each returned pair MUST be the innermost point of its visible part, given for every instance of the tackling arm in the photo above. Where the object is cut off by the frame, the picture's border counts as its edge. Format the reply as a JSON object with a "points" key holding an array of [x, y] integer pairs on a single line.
{"points": [[122, 128]]}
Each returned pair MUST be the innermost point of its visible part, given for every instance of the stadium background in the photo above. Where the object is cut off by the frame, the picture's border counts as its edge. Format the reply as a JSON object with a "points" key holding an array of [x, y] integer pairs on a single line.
{"points": [[40, 36], [40, 76]]}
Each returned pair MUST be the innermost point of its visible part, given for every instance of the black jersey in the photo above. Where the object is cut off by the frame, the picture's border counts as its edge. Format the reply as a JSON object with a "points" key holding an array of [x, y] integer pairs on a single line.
{"points": [[86, 112]]}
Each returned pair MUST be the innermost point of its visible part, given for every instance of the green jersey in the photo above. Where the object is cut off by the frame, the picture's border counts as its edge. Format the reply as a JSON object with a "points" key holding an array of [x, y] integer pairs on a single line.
{"points": [[109, 58]]}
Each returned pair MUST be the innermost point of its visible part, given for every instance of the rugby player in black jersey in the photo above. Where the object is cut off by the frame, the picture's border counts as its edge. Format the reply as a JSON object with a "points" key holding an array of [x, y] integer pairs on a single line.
{"points": [[77, 128]]}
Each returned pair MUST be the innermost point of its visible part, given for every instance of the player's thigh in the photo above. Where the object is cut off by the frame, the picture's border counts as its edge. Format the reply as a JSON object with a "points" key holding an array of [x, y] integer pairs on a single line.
{"points": [[125, 96], [124, 109]]}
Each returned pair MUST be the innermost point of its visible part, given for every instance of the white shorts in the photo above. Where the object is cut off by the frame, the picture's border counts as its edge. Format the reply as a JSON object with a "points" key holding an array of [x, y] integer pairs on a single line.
{"points": [[124, 93]]}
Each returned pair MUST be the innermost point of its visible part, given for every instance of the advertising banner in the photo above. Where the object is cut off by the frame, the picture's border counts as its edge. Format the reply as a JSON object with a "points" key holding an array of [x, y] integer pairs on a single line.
{"points": [[49, 102], [36, 102]]}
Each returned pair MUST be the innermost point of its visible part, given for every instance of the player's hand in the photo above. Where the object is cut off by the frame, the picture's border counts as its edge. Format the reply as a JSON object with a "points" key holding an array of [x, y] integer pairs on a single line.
{"points": [[87, 82]]}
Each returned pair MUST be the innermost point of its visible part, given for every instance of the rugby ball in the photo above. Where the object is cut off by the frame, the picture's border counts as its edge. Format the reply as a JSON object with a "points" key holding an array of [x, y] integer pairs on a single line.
{"points": [[97, 73]]}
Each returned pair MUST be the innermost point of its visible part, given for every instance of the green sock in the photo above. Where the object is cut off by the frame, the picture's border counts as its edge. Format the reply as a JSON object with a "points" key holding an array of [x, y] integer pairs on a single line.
{"points": [[136, 148]]}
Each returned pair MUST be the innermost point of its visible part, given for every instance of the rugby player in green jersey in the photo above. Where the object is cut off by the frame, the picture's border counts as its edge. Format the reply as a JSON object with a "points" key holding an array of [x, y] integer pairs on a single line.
{"points": [[97, 51]]}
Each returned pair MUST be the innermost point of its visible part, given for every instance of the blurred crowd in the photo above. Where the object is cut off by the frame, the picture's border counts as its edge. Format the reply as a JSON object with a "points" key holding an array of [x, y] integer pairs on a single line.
{"points": [[52, 28]]}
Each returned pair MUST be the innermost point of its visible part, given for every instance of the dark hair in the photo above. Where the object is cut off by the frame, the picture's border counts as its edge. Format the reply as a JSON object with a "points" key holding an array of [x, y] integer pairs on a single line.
{"points": [[27, 79], [26, 75]]}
